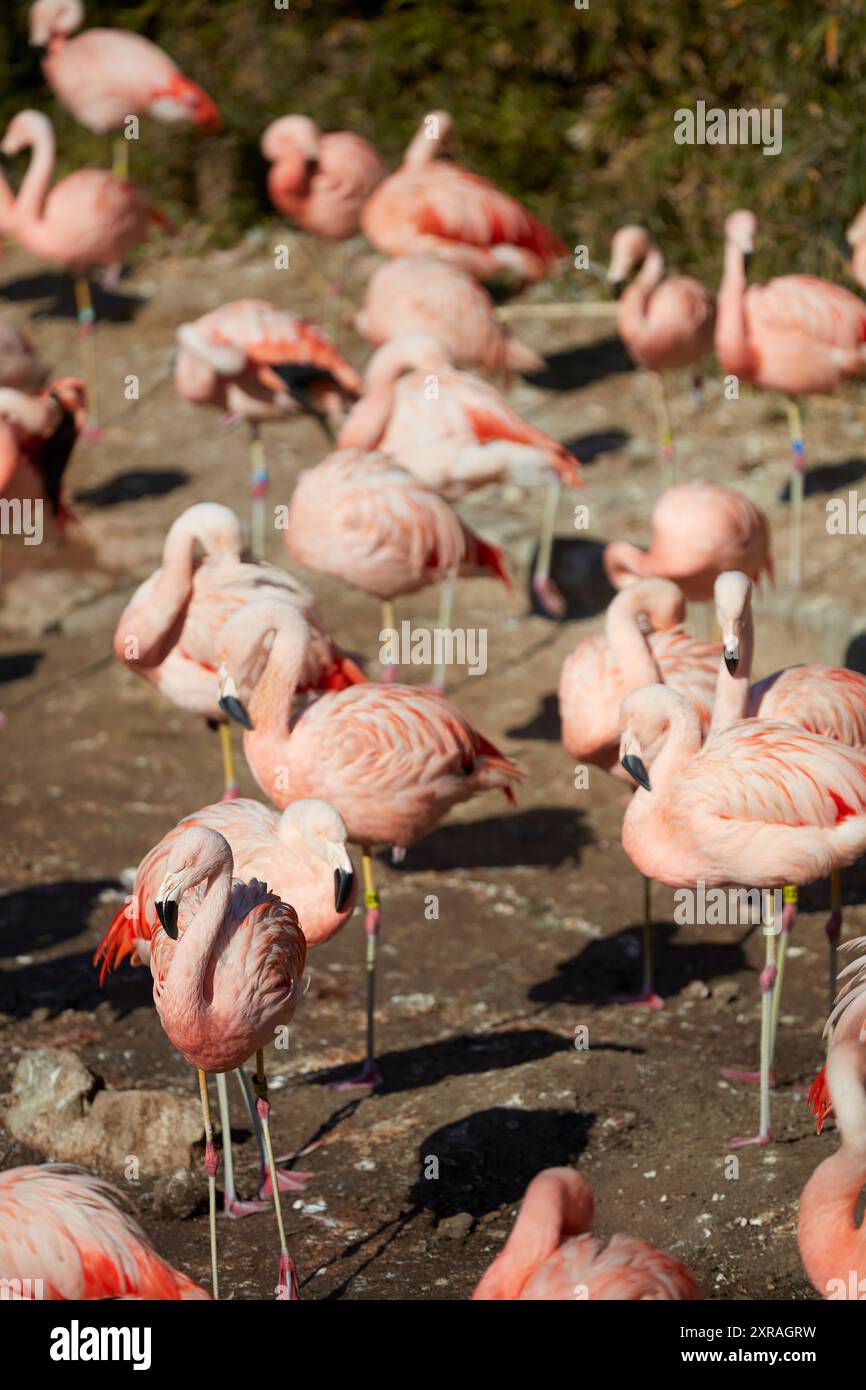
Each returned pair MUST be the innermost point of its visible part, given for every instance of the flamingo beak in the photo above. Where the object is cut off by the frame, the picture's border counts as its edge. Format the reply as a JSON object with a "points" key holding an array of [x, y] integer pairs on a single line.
{"points": [[616, 287], [635, 768], [747, 260], [166, 911], [344, 881], [732, 655], [230, 702]]}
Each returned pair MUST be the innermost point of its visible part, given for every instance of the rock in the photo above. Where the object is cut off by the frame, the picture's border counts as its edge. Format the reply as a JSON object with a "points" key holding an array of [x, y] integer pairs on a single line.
{"points": [[726, 991], [179, 1195], [455, 1227], [58, 1109], [696, 989]]}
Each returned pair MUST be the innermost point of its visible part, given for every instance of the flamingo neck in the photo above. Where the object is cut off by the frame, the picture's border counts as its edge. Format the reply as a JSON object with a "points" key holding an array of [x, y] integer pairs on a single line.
{"points": [[624, 562], [680, 743], [422, 149], [732, 332], [831, 1243], [557, 1205], [732, 692], [648, 279], [192, 965], [271, 702], [30, 203], [168, 600], [630, 646]]}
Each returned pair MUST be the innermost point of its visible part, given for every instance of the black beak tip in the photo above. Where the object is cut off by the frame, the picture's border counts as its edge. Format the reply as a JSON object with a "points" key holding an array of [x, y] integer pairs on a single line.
{"points": [[616, 287], [635, 769], [235, 710], [343, 884], [167, 913], [847, 248], [747, 259], [732, 663]]}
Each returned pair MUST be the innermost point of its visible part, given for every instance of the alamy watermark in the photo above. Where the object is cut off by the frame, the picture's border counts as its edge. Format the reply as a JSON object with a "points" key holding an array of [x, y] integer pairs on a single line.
{"points": [[737, 126], [438, 646], [719, 907], [22, 517]]}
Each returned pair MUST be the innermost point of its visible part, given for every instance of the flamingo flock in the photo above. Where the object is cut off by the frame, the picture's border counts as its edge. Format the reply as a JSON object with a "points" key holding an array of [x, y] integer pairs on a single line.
{"points": [[759, 786]]}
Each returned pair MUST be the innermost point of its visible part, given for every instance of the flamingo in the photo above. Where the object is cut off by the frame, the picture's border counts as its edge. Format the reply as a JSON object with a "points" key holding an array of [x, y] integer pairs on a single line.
{"points": [[320, 182], [699, 529], [90, 218], [457, 433], [104, 76], [856, 239], [262, 364], [827, 700], [170, 630], [419, 294], [20, 364], [762, 803], [552, 1254], [364, 519], [437, 208], [846, 1023], [829, 1231], [227, 959], [37, 437], [665, 323], [302, 856], [67, 1234], [796, 334], [603, 668], [393, 759]]}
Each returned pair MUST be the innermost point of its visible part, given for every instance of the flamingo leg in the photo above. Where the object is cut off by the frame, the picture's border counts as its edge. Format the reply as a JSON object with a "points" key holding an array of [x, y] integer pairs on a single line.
{"points": [[790, 898], [120, 158], [370, 1075], [647, 998], [291, 1180], [798, 467], [211, 1163], [230, 788], [545, 590], [233, 1205], [833, 928], [259, 493], [287, 1279], [389, 673], [443, 622], [768, 979], [86, 328], [666, 439]]}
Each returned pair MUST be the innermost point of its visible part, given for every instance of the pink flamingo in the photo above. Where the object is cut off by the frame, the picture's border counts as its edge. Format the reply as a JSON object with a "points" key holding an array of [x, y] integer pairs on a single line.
{"points": [[104, 76], [320, 182], [171, 629], [419, 294], [762, 803], [437, 208], [262, 364], [830, 1233], [21, 366], [846, 1023], [362, 518], [665, 323], [601, 671], [88, 219], [457, 433], [796, 334], [302, 856], [64, 1234], [699, 529], [227, 960], [552, 1254], [393, 759], [37, 438]]}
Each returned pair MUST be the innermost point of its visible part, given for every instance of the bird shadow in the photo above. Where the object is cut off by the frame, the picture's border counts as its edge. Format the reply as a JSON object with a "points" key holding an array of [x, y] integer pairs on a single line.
{"points": [[577, 570], [16, 666], [589, 447], [132, 485], [478, 1054], [544, 726], [57, 293], [855, 653], [46, 914], [826, 477], [540, 837], [574, 367]]}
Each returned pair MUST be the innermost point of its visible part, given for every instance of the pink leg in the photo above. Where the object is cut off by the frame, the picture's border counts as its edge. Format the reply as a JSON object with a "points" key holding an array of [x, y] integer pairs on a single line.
{"points": [[646, 998], [768, 979], [370, 1075]]}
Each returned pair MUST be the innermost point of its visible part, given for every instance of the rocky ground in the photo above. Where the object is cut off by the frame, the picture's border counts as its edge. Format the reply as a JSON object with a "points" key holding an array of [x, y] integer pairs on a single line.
{"points": [[479, 1010]]}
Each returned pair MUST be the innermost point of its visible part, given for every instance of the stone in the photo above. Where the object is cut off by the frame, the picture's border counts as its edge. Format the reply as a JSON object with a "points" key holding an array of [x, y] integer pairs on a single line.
{"points": [[455, 1227], [179, 1195]]}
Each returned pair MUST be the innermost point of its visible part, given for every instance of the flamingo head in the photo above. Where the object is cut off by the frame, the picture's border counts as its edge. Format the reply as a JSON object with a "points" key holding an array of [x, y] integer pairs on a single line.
{"points": [[51, 19], [198, 854], [733, 597], [293, 140], [740, 228], [24, 130], [628, 250], [323, 831], [407, 352], [213, 527]]}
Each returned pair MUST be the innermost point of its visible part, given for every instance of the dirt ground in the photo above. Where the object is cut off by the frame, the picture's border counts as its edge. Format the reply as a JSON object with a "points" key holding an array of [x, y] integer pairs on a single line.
{"points": [[539, 909]]}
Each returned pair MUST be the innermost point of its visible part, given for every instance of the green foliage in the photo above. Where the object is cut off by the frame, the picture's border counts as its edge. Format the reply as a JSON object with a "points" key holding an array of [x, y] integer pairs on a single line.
{"points": [[570, 109]]}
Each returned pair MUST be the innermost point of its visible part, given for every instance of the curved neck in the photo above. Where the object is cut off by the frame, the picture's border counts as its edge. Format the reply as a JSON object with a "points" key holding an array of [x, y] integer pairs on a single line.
{"points": [[629, 644], [422, 148], [270, 706], [732, 692], [648, 278], [732, 337], [30, 202], [623, 562], [163, 607], [557, 1205], [192, 963], [681, 742]]}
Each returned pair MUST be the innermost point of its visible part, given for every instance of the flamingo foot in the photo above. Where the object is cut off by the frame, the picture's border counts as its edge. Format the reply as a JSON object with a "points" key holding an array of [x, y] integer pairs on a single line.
{"points": [[287, 1280], [368, 1078], [230, 794], [762, 1140], [288, 1180], [236, 1207], [748, 1078], [389, 675], [548, 596], [647, 999]]}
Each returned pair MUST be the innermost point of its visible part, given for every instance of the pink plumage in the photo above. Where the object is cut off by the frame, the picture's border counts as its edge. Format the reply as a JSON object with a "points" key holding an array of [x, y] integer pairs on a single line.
{"points": [[551, 1253], [830, 1232], [699, 529], [320, 182], [665, 323], [37, 437], [68, 1231]]}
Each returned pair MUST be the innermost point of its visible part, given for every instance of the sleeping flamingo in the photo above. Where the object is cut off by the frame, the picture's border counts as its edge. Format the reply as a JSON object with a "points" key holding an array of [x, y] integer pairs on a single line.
{"points": [[796, 334], [227, 960], [699, 529], [363, 519], [603, 668], [665, 323], [552, 1254], [67, 1234], [763, 804], [418, 294], [831, 1236], [456, 433], [88, 219], [434, 207], [393, 759], [320, 182], [170, 630], [303, 858], [261, 364], [37, 437], [21, 367]]}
